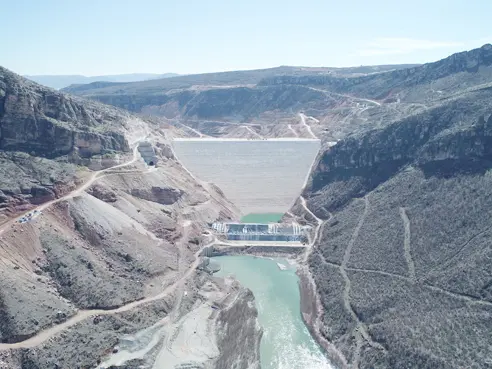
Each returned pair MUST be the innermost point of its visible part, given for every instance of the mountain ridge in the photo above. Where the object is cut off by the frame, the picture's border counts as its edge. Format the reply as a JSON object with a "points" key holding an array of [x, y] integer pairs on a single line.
{"points": [[61, 81], [244, 77]]}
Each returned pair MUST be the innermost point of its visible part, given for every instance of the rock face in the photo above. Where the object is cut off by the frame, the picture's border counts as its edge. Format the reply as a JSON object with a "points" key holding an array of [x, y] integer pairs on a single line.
{"points": [[161, 195], [26, 180], [403, 265], [453, 137], [102, 193], [43, 122]]}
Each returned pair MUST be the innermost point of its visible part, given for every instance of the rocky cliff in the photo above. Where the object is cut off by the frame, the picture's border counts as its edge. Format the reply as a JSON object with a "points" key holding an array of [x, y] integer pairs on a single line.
{"points": [[236, 103], [438, 141], [233, 96], [43, 122], [131, 236], [44, 134]]}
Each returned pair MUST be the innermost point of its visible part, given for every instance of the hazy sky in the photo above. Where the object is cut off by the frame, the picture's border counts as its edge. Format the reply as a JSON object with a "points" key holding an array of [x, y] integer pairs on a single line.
{"points": [[94, 37]]}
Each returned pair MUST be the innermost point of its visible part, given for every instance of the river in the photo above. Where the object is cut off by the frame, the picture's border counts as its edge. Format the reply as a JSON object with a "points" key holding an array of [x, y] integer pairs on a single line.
{"points": [[286, 342]]}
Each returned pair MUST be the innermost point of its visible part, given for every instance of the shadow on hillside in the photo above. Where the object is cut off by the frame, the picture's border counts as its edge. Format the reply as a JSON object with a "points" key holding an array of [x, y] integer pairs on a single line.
{"points": [[450, 168]]}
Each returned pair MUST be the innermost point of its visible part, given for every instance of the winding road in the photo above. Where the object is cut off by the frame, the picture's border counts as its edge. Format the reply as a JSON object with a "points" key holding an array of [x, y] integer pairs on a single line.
{"points": [[46, 334], [77, 191], [346, 96]]}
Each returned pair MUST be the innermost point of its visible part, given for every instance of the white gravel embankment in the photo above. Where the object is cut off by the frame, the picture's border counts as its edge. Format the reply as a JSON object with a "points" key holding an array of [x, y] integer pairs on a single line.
{"points": [[258, 176]]}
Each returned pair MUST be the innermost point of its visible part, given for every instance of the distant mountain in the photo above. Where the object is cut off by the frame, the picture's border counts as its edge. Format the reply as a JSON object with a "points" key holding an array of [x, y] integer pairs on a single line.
{"points": [[228, 79], [60, 81]]}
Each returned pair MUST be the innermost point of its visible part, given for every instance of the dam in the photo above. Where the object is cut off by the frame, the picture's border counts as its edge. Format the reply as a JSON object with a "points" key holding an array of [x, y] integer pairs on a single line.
{"points": [[263, 178], [259, 176]]}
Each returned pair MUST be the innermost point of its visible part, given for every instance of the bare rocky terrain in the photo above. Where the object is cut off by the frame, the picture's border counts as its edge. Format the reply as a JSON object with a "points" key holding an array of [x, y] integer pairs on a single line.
{"points": [[399, 277], [48, 138]]}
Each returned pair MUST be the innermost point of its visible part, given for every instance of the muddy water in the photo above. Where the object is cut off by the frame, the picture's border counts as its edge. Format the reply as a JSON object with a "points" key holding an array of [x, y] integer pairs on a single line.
{"points": [[286, 342]]}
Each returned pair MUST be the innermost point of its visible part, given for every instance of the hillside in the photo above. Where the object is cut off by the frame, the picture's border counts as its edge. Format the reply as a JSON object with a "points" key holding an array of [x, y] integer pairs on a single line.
{"points": [[234, 97], [428, 82], [401, 265], [234, 78], [403, 260]]}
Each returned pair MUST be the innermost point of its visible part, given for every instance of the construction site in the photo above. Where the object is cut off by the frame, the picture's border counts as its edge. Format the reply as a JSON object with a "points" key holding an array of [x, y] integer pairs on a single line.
{"points": [[260, 177]]}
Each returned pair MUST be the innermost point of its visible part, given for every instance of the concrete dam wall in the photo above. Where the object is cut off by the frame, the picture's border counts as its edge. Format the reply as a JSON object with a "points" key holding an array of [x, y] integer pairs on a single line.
{"points": [[258, 176]]}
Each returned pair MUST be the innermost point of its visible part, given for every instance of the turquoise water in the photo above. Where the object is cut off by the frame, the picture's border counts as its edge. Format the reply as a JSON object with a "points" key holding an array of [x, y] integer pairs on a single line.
{"points": [[262, 218], [286, 342]]}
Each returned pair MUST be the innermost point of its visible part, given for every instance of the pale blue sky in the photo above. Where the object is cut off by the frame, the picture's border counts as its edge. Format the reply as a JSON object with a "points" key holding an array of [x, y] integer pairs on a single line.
{"points": [[95, 37]]}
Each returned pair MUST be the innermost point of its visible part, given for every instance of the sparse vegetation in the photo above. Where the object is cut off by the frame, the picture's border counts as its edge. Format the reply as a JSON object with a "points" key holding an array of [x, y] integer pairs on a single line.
{"points": [[436, 166]]}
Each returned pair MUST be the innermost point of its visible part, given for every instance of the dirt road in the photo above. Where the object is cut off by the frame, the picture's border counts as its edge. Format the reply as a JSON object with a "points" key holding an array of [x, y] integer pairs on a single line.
{"points": [[292, 130], [308, 127], [347, 96], [96, 175], [252, 132], [85, 314], [201, 135]]}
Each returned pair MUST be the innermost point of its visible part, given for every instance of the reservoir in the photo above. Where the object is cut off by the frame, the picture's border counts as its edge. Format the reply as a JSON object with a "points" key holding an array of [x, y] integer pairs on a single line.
{"points": [[286, 342]]}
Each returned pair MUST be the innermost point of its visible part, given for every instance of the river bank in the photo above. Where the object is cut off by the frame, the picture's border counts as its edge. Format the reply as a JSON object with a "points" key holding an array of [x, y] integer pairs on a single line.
{"points": [[312, 313], [272, 251], [286, 341], [311, 309], [213, 326]]}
